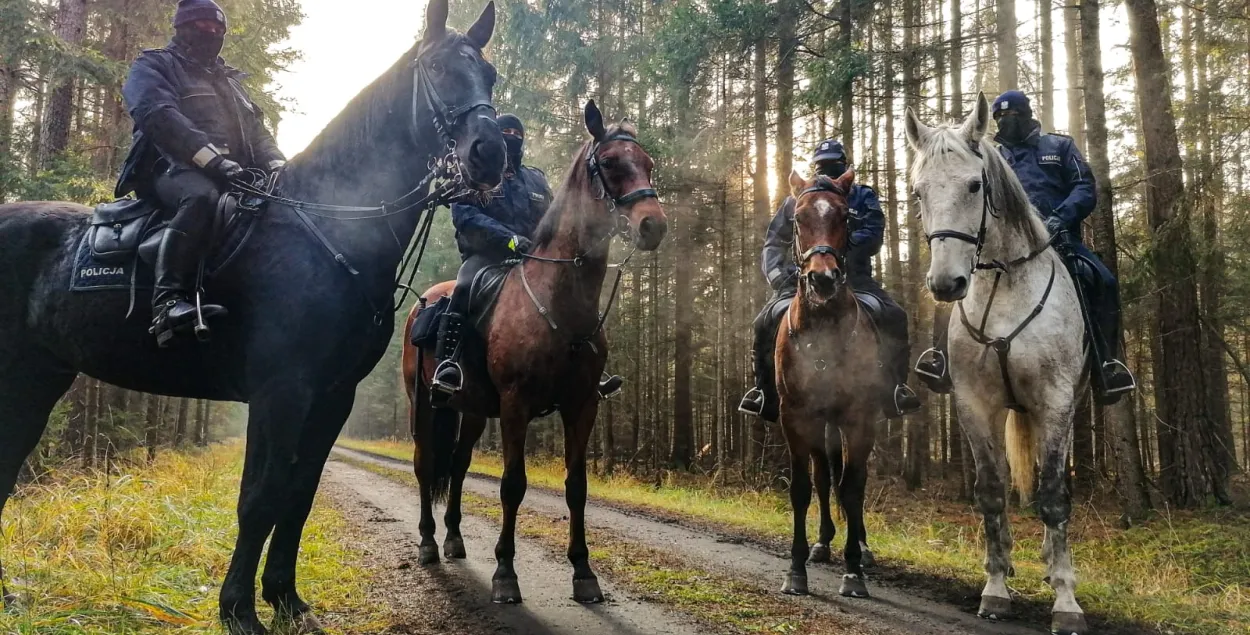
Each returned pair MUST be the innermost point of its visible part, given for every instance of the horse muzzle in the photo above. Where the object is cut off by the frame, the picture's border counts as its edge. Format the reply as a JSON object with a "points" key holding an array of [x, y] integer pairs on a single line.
{"points": [[947, 288], [823, 286], [651, 232]]}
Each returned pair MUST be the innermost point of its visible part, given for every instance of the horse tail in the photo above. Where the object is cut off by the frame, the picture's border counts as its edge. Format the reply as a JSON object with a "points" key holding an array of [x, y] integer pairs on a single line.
{"points": [[1021, 452], [446, 433]]}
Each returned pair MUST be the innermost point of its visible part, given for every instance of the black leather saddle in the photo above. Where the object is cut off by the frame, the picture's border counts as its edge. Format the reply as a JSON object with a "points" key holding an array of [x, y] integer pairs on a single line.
{"points": [[130, 229], [484, 294]]}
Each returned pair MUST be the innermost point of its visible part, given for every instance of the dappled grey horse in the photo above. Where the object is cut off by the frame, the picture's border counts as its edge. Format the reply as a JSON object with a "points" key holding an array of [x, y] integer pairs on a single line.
{"points": [[1017, 351], [310, 300]]}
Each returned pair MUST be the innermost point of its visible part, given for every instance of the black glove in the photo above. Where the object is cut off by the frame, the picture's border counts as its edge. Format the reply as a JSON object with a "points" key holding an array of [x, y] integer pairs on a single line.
{"points": [[520, 244], [225, 167]]}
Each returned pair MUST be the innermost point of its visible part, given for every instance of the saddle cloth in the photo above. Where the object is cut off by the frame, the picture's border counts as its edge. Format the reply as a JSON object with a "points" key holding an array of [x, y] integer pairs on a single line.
{"points": [[119, 249]]}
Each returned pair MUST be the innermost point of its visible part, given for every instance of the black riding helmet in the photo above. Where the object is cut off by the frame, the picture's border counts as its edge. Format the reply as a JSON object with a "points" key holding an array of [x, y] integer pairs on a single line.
{"points": [[513, 136]]}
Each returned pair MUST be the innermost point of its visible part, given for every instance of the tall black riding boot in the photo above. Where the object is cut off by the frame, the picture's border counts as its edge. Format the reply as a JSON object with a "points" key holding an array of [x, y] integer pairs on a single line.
{"points": [[900, 399], [173, 312], [448, 376], [1114, 378]]}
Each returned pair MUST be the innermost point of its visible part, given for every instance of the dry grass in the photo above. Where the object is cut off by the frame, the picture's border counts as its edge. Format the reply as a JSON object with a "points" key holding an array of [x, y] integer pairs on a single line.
{"points": [[143, 549], [1180, 572]]}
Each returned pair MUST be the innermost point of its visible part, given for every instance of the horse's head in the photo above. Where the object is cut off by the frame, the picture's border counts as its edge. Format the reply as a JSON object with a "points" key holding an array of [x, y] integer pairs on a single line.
{"points": [[622, 170], [948, 183], [452, 92], [821, 233]]}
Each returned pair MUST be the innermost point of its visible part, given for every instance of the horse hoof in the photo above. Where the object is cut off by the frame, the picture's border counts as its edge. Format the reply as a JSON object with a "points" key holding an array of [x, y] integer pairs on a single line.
{"points": [[819, 553], [243, 625], [587, 591], [505, 591], [453, 547], [12, 603], [994, 608], [853, 586], [1065, 623], [303, 623], [795, 585], [866, 559], [428, 554]]}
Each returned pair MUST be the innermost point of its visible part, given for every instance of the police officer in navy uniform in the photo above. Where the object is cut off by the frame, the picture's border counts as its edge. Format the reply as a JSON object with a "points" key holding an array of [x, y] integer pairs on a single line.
{"points": [[867, 231], [195, 129], [488, 235], [1061, 186]]}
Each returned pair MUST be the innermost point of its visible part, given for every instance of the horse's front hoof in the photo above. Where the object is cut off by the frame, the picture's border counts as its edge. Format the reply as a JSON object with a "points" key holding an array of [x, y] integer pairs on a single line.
{"points": [[853, 586], [505, 591], [453, 548], [587, 591], [795, 585], [820, 553], [243, 624], [12, 603], [866, 559], [994, 607], [428, 554], [1065, 623]]}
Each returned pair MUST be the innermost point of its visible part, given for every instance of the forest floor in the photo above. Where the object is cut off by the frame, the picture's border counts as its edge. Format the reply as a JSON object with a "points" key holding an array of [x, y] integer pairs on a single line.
{"points": [[1177, 573]]}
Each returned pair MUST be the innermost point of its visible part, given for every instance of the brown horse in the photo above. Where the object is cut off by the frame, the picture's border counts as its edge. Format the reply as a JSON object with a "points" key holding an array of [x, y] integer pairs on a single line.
{"points": [[828, 377], [545, 350]]}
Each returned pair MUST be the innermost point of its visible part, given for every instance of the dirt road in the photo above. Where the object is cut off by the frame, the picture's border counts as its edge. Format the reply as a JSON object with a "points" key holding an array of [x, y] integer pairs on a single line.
{"points": [[548, 609]]}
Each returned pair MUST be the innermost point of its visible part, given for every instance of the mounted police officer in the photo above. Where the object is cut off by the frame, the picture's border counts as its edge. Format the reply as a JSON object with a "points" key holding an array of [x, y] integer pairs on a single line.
{"points": [[1061, 186], [867, 231], [195, 129]]}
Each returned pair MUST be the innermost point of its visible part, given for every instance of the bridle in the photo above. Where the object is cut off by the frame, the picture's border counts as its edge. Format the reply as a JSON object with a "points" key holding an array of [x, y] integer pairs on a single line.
{"points": [[615, 203], [445, 118], [839, 255]]}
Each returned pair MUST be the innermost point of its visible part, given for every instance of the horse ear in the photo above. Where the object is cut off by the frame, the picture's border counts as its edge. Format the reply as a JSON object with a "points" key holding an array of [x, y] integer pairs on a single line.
{"points": [[482, 30], [846, 180], [797, 183], [978, 121], [917, 132], [594, 121], [435, 21]]}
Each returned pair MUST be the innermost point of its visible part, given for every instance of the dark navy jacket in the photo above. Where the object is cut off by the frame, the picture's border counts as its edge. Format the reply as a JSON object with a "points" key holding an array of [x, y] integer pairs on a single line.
{"points": [[514, 210], [1055, 175], [187, 114], [867, 225]]}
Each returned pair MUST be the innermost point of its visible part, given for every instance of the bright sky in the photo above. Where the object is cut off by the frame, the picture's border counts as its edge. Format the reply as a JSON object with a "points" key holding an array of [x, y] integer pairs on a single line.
{"points": [[346, 44]]}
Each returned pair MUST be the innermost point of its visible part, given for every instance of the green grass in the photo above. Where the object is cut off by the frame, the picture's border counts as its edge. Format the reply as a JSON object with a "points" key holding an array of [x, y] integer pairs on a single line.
{"points": [[145, 550], [1184, 572]]}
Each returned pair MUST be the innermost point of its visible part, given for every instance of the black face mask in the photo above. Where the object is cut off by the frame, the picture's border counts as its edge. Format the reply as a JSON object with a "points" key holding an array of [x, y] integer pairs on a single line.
{"points": [[831, 169], [516, 147], [202, 46], [1013, 128]]}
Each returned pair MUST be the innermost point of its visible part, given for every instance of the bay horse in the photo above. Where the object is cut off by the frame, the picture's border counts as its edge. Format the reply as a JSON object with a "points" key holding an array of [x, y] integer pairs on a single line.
{"points": [[828, 376], [545, 351], [303, 329], [992, 256]]}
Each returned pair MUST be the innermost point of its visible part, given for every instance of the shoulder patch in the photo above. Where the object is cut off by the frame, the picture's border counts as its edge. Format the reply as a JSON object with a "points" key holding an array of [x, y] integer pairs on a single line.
{"points": [[537, 196]]}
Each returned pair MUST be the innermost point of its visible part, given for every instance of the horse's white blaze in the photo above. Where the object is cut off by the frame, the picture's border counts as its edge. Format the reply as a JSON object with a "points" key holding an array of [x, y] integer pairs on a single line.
{"points": [[823, 208], [1046, 362]]}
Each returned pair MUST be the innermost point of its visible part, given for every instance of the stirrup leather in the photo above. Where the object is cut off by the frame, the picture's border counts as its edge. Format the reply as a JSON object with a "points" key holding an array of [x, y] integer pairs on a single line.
{"points": [[939, 359], [448, 364], [1111, 367]]}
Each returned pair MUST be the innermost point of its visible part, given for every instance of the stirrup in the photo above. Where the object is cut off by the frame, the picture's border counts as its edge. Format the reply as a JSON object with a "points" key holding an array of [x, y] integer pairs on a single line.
{"points": [[903, 392], [610, 386], [448, 364], [939, 361], [752, 403], [1110, 368], [201, 329]]}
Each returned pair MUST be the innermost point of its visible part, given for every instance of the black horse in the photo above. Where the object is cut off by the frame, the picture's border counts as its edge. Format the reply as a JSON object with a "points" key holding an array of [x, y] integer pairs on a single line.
{"points": [[302, 330]]}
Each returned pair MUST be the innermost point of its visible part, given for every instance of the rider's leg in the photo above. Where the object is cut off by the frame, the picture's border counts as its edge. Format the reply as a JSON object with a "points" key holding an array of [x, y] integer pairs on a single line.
{"points": [[933, 368], [1103, 300], [761, 400], [899, 398], [193, 196], [448, 376]]}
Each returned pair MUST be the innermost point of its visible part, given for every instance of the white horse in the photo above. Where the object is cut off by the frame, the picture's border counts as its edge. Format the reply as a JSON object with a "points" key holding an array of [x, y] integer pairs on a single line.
{"points": [[1017, 352]]}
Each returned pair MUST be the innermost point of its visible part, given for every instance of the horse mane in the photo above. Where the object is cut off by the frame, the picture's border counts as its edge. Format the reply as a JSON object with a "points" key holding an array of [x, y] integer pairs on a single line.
{"points": [[575, 191], [1007, 194]]}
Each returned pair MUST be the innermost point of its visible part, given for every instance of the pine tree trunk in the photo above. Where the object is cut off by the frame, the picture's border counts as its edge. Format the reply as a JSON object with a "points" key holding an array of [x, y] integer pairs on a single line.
{"points": [[957, 61], [71, 23], [787, 50], [848, 102], [1047, 72], [1188, 438], [892, 457], [1078, 87], [1008, 56], [8, 99]]}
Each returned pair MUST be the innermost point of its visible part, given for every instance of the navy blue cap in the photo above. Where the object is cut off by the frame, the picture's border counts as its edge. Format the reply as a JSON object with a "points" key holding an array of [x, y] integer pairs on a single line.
{"points": [[829, 150], [192, 10], [1013, 100]]}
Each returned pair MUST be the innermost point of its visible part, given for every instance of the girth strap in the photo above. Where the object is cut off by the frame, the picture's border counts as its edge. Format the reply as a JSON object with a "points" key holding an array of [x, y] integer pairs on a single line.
{"points": [[1002, 345]]}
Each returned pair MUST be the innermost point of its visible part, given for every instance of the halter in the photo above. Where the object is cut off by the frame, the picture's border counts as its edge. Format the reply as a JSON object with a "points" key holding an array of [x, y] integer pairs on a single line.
{"points": [[596, 172]]}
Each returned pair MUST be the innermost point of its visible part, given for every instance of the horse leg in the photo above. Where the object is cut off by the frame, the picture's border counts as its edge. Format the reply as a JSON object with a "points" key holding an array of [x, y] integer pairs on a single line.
{"points": [[991, 494], [27, 397], [579, 421], [1054, 503], [800, 498], [423, 462], [471, 428], [325, 421], [275, 420], [821, 473], [851, 497], [512, 426]]}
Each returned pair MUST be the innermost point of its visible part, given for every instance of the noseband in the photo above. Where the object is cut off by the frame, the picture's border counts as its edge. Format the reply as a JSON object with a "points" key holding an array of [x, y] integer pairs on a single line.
{"points": [[596, 172], [839, 255]]}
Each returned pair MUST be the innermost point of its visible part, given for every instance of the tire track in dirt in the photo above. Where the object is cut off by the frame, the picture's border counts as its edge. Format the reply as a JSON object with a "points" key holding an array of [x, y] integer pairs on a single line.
{"points": [[545, 581], [897, 609]]}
